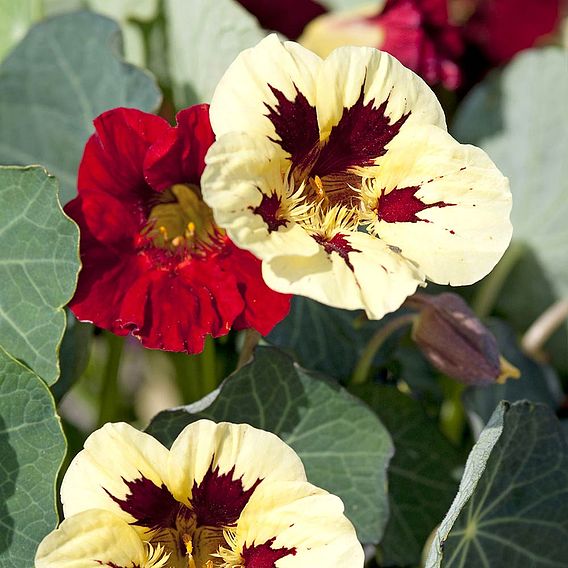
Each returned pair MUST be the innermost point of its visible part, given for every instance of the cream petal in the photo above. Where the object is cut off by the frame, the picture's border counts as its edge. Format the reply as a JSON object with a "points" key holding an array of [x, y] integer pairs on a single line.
{"points": [[249, 453], [378, 280], [346, 27], [93, 538], [458, 243], [112, 454], [241, 170], [348, 70], [303, 518], [240, 99]]}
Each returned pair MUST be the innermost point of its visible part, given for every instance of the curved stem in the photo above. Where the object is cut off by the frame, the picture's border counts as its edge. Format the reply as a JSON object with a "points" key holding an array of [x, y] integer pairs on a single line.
{"points": [[544, 326], [109, 394], [361, 372], [252, 338], [493, 283]]}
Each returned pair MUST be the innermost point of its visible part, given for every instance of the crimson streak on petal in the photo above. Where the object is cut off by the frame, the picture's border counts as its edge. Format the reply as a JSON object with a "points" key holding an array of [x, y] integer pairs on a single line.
{"points": [[402, 206], [152, 506], [264, 556], [296, 124], [219, 499], [268, 210], [358, 139], [338, 244]]}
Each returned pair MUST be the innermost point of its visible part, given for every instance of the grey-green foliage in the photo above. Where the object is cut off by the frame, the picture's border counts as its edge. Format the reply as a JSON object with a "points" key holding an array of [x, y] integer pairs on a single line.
{"points": [[39, 262], [32, 447], [537, 383], [512, 506], [64, 73], [525, 130], [204, 38], [342, 444], [421, 474], [326, 339]]}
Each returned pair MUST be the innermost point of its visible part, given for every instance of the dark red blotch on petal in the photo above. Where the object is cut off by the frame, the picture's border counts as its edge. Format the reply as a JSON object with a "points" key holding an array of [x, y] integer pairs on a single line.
{"points": [[268, 209], [113, 565], [402, 206], [219, 499], [339, 244], [264, 556], [296, 124], [288, 17], [360, 137], [151, 505]]}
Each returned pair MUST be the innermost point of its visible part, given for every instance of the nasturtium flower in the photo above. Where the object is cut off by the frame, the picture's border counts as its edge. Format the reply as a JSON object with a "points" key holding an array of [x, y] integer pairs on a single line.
{"points": [[417, 32], [224, 496], [154, 262], [340, 175]]}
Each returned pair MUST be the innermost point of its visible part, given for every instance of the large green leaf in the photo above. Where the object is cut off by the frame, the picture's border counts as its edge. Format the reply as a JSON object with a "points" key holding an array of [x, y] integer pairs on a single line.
{"points": [[16, 18], [537, 383], [64, 73], [326, 339], [422, 480], [520, 118], [512, 506], [343, 445], [32, 448], [39, 262], [204, 38]]}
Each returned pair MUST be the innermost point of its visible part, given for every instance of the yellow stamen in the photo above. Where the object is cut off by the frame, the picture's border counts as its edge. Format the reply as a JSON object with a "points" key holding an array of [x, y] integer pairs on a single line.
{"points": [[190, 230]]}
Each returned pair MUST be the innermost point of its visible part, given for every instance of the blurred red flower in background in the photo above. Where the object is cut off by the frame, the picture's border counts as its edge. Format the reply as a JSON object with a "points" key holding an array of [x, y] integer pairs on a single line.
{"points": [[154, 262], [502, 28]]}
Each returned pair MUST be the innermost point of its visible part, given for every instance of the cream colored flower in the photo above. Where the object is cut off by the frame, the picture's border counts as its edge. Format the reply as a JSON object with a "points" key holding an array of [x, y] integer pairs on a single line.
{"points": [[340, 175], [225, 496]]}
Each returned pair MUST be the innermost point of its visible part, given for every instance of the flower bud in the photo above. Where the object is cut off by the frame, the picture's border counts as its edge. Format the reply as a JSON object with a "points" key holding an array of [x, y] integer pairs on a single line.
{"points": [[455, 341]]}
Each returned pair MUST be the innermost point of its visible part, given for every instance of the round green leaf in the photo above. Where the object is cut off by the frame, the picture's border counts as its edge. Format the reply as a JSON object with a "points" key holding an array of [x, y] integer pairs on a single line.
{"points": [[16, 18], [344, 447], [204, 38], [512, 506], [32, 447], [63, 74], [421, 475], [39, 263]]}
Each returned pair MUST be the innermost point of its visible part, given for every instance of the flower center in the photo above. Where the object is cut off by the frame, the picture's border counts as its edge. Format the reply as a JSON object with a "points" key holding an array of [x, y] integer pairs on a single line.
{"points": [[180, 220]]}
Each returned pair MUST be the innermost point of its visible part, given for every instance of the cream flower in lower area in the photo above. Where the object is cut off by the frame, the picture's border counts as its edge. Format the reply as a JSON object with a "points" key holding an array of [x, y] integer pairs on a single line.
{"points": [[224, 496], [340, 175]]}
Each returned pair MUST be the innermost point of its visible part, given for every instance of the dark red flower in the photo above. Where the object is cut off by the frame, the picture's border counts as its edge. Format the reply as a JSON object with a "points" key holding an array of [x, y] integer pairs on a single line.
{"points": [[154, 262], [502, 28], [289, 17], [419, 34]]}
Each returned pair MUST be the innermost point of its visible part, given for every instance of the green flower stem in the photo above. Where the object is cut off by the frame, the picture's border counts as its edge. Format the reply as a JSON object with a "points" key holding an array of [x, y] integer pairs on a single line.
{"points": [[188, 371], [109, 403], [196, 375], [209, 380], [363, 368], [492, 284], [452, 412], [252, 338]]}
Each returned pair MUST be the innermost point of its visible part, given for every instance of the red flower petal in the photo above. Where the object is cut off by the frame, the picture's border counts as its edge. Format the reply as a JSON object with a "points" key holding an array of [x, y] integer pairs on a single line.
{"points": [[502, 28], [263, 307], [179, 156], [169, 298], [288, 17], [418, 33], [175, 311], [114, 155]]}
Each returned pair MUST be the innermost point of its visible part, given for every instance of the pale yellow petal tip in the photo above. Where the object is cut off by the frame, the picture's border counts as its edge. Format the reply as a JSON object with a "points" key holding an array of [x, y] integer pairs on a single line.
{"points": [[508, 371], [337, 29]]}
